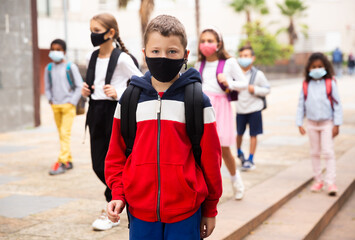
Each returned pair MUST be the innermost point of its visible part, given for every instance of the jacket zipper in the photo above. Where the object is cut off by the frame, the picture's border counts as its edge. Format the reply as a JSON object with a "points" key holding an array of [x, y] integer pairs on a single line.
{"points": [[158, 155]]}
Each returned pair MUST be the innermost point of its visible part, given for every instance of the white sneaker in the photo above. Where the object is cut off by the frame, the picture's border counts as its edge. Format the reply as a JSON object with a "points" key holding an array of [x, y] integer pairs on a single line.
{"points": [[238, 186], [103, 223]]}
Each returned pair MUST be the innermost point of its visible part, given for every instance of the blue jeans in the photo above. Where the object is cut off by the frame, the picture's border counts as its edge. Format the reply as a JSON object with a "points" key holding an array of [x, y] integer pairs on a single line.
{"points": [[188, 229]]}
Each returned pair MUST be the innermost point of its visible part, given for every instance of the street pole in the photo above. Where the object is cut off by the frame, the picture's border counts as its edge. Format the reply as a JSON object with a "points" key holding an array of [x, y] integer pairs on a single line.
{"points": [[65, 12]]}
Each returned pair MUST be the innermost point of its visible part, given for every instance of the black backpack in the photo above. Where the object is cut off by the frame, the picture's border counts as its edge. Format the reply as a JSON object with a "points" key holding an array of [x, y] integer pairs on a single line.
{"points": [[115, 54], [254, 71], [193, 114]]}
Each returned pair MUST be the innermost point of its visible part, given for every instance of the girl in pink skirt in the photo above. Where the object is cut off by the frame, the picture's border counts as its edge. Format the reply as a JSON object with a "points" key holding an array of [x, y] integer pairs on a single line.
{"points": [[221, 74]]}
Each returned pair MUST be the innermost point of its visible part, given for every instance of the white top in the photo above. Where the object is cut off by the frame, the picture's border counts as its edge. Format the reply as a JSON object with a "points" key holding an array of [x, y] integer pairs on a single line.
{"points": [[234, 74], [249, 103], [124, 70]]}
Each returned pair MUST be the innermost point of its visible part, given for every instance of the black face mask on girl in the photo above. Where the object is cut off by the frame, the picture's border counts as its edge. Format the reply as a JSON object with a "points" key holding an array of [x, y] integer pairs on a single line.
{"points": [[165, 69], [98, 38]]}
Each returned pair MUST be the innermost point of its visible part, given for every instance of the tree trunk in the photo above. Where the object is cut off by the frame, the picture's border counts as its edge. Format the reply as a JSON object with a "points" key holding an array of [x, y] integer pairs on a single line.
{"points": [[248, 16], [292, 35], [197, 17], [145, 11]]}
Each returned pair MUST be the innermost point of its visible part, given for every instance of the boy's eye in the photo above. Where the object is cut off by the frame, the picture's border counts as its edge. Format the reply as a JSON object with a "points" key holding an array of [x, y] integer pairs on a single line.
{"points": [[155, 51], [172, 51]]}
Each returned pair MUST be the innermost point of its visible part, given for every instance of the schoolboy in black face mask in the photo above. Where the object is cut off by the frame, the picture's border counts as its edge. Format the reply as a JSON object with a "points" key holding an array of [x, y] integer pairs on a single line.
{"points": [[168, 194]]}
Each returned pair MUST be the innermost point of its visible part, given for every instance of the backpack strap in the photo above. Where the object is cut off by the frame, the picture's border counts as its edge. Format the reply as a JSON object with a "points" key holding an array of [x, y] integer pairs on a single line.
{"points": [[70, 76], [253, 71], [305, 89], [194, 117], [220, 68], [328, 87], [49, 69], [115, 54], [90, 73], [129, 103], [202, 66]]}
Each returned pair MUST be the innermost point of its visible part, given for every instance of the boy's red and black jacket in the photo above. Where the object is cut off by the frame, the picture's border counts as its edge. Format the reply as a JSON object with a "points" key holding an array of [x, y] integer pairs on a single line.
{"points": [[160, 180]]}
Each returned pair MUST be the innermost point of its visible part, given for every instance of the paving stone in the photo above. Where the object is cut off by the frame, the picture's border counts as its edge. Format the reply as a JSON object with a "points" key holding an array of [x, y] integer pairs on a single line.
{"points": [[15, 148], [12, 225], [19, 206], [7, 179], [285, 141]]}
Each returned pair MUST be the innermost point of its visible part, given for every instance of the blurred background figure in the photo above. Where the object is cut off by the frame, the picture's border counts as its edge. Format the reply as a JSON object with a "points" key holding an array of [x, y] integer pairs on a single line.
{"points": [[337, 57], [351, 64]]}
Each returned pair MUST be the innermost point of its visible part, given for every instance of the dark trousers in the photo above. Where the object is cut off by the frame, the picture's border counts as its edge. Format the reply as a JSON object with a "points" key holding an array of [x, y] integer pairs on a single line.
{"points": [[100, 119]]}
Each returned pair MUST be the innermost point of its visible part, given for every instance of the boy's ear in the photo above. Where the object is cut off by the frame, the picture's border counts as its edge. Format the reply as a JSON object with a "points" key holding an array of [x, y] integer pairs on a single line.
{"points": [[143, 51], [187, 52], [253, 57]]}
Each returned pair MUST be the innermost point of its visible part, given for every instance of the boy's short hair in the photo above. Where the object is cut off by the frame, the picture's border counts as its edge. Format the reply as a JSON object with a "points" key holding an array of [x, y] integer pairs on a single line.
{"points": [[61, 43], [166, 25], [247, 48]]}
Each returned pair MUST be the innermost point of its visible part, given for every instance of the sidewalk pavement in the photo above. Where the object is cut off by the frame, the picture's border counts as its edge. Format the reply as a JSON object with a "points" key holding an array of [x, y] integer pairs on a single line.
{"points": [[34, 205]]}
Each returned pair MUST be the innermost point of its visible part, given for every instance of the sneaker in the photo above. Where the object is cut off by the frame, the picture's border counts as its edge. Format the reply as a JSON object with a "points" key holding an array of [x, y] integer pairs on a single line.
{"points": [[241, 158], [57, 168], [238, 186], [317, 187], [69, 165], [103, 223], [248, 165], [332, 190]]}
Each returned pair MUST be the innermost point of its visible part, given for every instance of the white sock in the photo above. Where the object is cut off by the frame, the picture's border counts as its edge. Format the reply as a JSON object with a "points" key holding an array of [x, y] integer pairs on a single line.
{"points": [[234, 178]]}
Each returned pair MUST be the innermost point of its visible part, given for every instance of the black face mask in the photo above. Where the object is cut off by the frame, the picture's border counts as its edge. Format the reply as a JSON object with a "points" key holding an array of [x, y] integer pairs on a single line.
{"points": [[98, 38], [165, 69]]}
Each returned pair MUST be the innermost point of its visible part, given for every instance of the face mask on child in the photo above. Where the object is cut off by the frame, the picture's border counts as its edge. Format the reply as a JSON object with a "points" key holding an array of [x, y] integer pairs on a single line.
{"points": [[98, 38], [56, 56], [245, 62], [207, 49], [164, 69], [317, 73]]}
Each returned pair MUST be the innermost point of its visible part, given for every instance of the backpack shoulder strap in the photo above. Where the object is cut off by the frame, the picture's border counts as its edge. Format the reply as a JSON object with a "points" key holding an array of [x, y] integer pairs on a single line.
{"points": [[90, 74], [220, 66], [115, 54], [129, 103], [49, 69], [253, 71], [202, 66], [194, 117], [305, 89], [328, 87], [70, 76]]}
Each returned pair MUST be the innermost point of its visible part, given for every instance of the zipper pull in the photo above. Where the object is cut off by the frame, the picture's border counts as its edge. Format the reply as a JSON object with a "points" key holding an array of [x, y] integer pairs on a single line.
{"points": [[159, 104]]}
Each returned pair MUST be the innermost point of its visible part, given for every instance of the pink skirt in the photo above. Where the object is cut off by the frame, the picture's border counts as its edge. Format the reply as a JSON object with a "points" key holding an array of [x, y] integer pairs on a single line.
{"points": [[224, 118]]}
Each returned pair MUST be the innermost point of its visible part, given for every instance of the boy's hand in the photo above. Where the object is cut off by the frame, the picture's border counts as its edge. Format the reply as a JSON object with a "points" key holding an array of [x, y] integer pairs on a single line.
{"points": [[251, 89], [302, 131], [85, 91], [335, 131], [110, 91], [114, 208], [207, 226], [222, 79]]}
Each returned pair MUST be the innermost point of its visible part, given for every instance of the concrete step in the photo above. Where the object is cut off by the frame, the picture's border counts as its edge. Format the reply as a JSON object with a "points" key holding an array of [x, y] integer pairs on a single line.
{"points": [[342, 225], [237, 218], [307, 214]]}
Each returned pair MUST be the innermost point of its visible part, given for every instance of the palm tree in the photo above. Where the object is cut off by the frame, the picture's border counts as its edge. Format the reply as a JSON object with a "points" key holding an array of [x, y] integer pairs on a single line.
{"points": [[197, 18], [293, 9], [248, 6], [145, 10]]}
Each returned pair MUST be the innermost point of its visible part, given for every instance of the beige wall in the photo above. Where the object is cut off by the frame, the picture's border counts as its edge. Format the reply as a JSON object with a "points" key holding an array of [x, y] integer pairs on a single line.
{"points": [[331, 23]]}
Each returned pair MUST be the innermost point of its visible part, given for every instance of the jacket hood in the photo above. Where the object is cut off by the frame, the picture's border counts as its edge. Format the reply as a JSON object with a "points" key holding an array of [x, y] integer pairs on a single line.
{"points": [[190, 76]]}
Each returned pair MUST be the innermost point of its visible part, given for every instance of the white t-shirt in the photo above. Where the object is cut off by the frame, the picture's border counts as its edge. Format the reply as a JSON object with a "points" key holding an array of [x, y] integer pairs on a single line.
{"points": [[234, 74], [124, 70]]}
